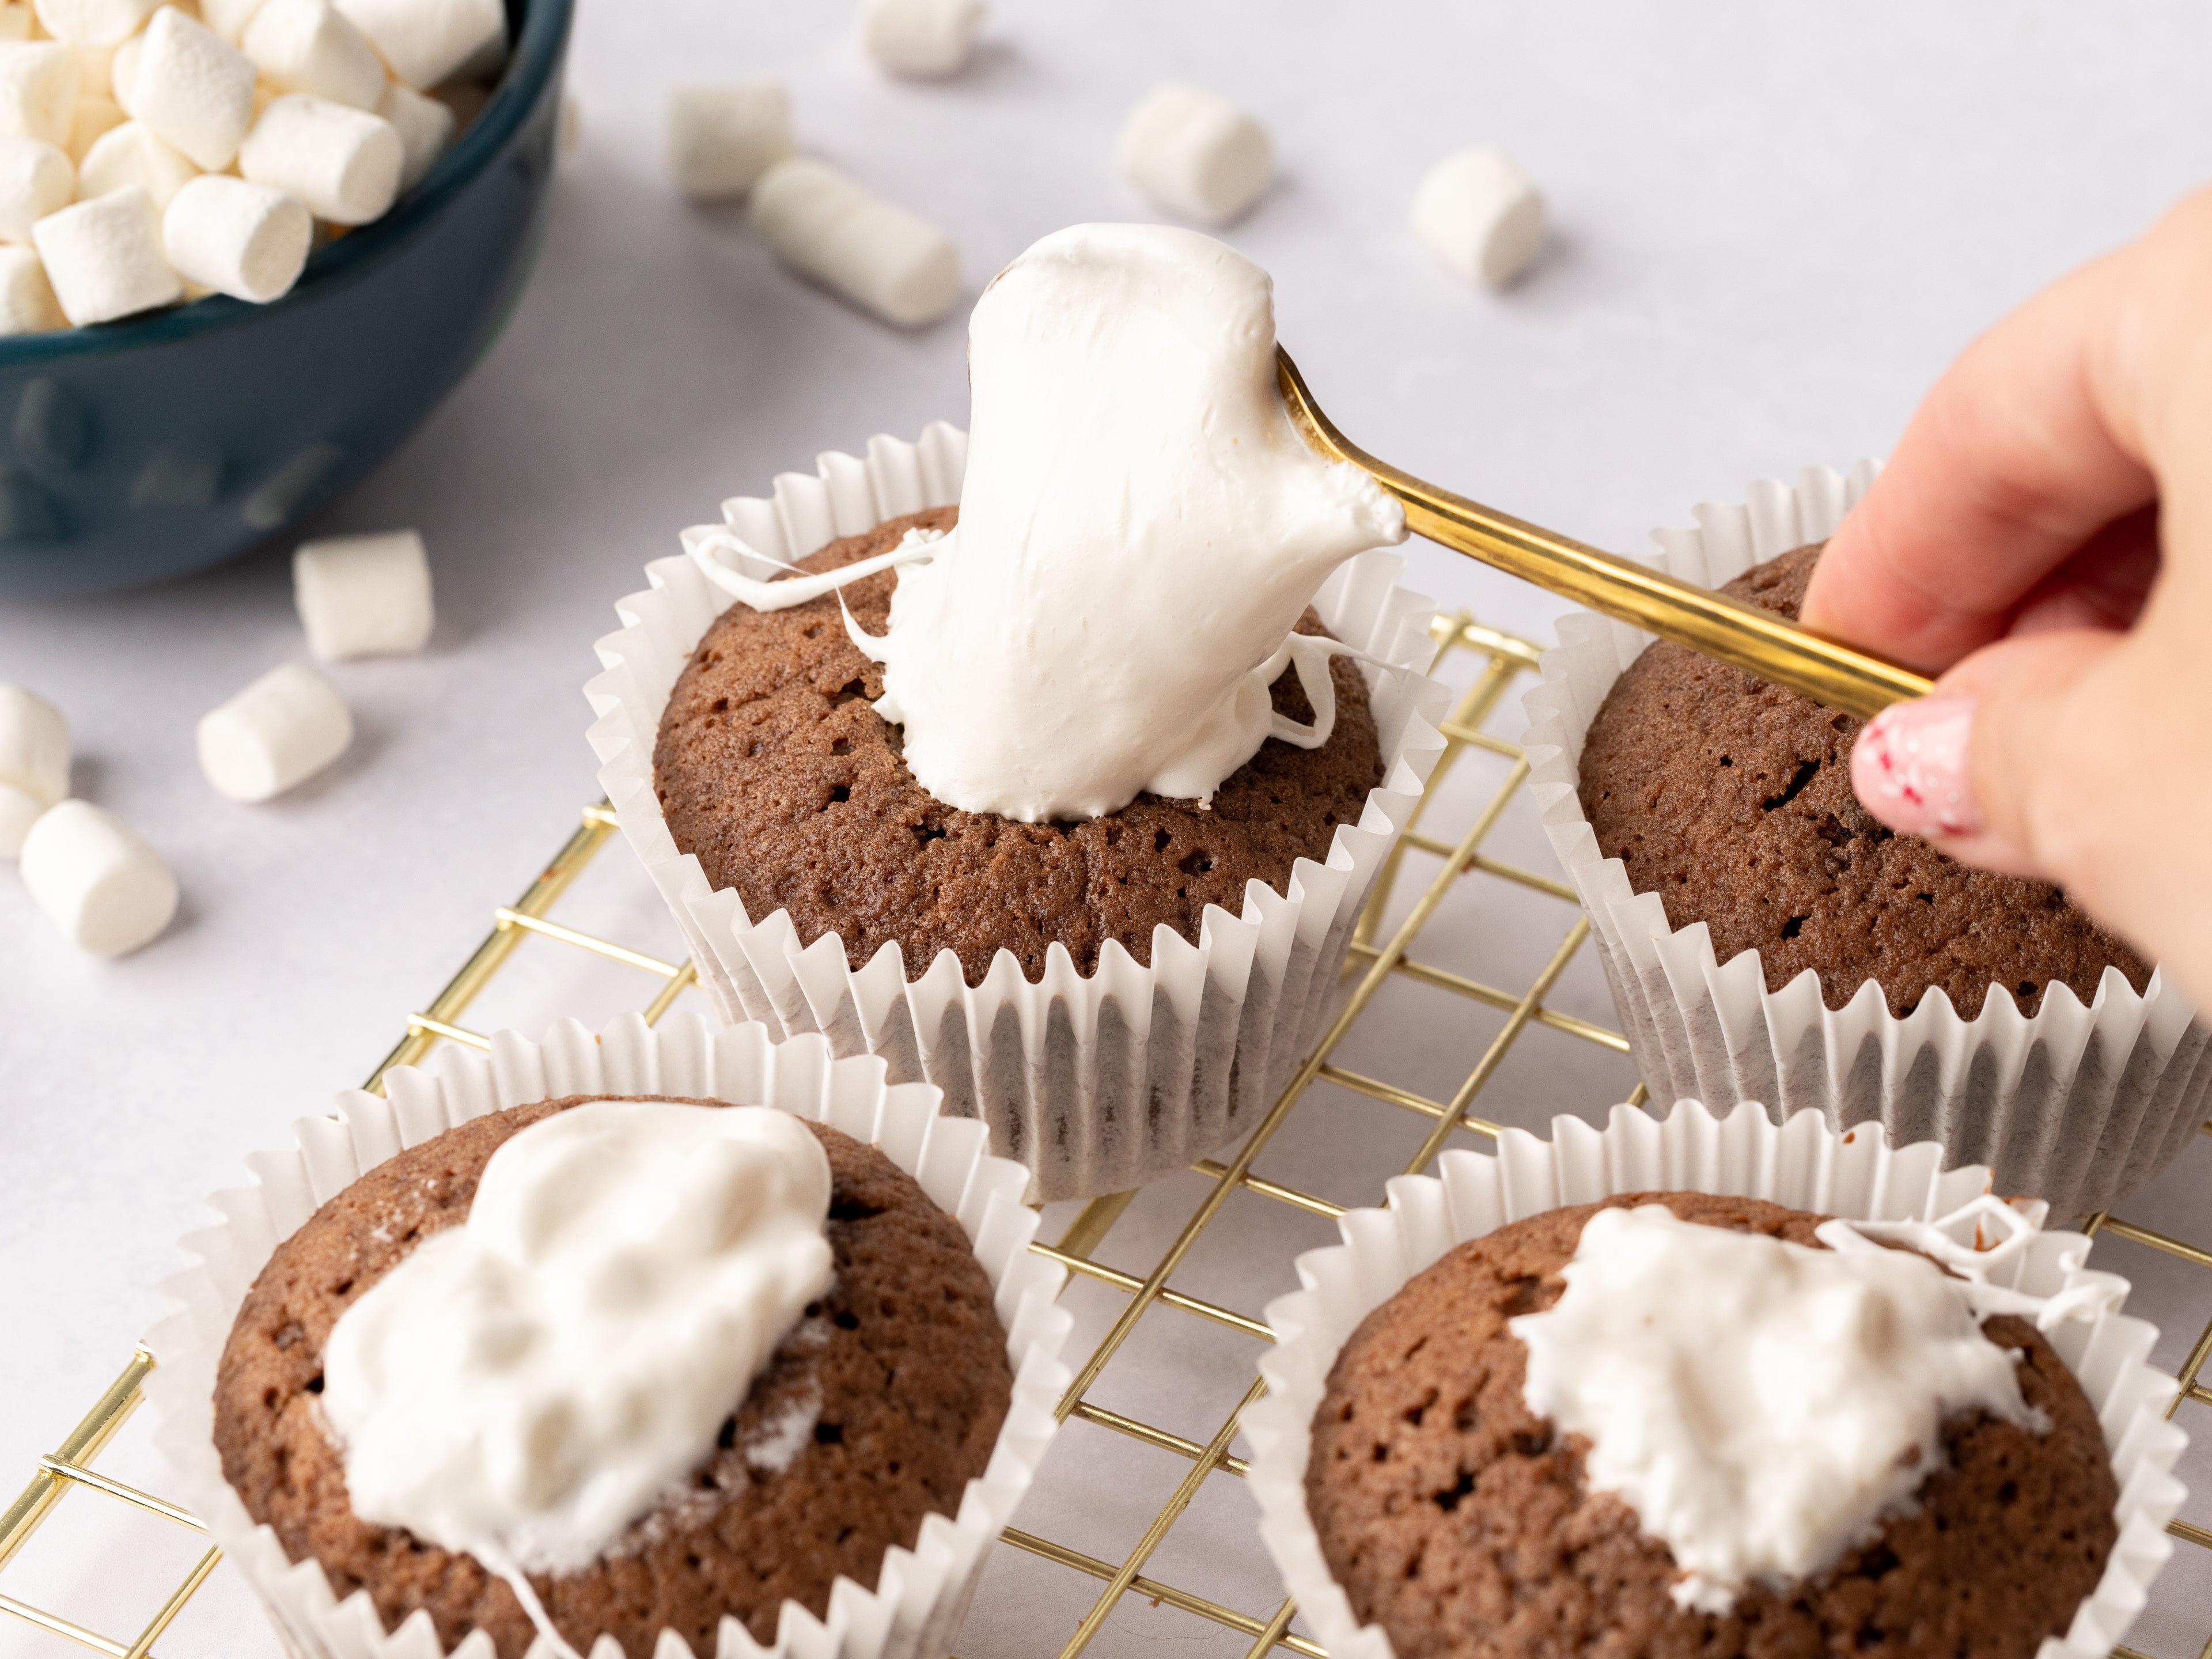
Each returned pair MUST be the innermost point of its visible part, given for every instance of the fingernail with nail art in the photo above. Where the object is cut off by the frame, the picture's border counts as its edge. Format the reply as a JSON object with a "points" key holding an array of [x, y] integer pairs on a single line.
{"points": [[1909, 767]]}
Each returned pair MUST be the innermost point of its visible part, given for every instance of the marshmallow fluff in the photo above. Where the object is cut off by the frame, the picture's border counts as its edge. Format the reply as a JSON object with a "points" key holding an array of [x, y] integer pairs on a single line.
{"points": [[526, 1385], [1759, 1404], [1141, 529]]}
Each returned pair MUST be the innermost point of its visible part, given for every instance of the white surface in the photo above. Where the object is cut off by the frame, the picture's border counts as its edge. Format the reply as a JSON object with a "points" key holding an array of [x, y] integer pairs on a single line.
{"points": [[1771, 231]]}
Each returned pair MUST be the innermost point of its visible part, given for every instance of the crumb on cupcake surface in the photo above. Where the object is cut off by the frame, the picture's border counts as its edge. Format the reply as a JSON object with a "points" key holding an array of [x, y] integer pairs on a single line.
{"points": [[1455, 1517], [773, 766], [901, 1369], [1731, 798]]}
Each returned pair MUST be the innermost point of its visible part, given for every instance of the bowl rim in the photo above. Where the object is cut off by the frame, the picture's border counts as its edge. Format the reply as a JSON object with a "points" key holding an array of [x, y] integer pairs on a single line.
{"points": [[535, 61]]}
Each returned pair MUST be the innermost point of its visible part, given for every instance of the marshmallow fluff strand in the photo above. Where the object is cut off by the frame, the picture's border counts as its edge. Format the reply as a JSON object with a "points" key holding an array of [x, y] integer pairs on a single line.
{"points": [[97, 879], [1196, 153], [236, 237], [279, 732], [920, 40], [884, 259], [1480, 215], [34, 762], [722, 137]]}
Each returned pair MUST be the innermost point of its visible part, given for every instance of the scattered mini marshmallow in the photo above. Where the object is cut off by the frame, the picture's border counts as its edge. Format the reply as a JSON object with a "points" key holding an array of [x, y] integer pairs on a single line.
{"points": [[237, 237], [97, 879], [310, 46], [228, 18], [875, 254], [93, 22], [92, 118], [343, 163], [105, 258], [924, 39], [131, 154], [428, 41], [37, 90], [424, 126], [1195, 154], [28, 305], [1480, 215], [279, 732], [722, 137], [190, 86], [34, 760], [364, 596], [36, 179]]}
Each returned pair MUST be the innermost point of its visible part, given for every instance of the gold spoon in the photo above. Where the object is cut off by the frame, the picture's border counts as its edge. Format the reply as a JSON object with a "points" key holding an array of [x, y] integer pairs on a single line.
{"points": [[1743, 635]]}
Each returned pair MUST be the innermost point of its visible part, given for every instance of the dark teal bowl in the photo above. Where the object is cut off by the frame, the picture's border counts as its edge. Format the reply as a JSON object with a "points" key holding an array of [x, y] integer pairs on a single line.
{"points": [[146, 448]]}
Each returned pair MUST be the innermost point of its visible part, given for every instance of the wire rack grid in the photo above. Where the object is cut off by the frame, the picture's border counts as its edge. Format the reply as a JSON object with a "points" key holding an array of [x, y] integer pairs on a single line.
{"points": [[1382, 953]]}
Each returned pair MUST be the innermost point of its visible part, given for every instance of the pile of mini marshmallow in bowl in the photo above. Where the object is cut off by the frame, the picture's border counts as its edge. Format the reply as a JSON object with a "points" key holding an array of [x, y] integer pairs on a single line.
{"points": [[1191, 151], [153, 153]]}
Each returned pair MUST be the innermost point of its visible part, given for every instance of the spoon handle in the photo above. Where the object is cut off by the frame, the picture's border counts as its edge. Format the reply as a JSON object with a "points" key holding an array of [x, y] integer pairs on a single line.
{"points": [[1745, 636]]}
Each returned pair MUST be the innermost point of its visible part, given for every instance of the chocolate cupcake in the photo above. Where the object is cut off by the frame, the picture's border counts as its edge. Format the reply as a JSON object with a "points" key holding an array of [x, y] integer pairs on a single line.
{"points": [[1766, 939], [1114, 996], [823, 1487], [1464, 1523], [1456, 1457], [774, 1513]]}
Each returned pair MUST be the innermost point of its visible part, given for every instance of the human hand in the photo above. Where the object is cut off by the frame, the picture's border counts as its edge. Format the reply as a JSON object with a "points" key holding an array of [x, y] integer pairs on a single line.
{"points": [[2042, 538]]}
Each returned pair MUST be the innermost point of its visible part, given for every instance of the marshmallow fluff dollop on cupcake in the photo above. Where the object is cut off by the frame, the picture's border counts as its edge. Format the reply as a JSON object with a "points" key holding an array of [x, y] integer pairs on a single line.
{"points": [[1680, 1423], [1090, 702]]}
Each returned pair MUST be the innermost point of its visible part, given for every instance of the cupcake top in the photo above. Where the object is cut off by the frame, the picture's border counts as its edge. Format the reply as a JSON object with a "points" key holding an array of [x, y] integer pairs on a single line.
{"points": [[773, 766], [1467, 1519], [1731, 798], [809, 1468]]}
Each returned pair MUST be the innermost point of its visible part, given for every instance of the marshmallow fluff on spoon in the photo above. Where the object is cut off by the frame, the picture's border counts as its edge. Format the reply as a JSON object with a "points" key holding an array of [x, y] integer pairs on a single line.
{"points": [[1141, 529]]}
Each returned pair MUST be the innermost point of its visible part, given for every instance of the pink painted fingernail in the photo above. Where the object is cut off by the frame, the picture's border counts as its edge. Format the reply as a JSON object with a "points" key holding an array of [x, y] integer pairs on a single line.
{"points": [[1909, 767]]}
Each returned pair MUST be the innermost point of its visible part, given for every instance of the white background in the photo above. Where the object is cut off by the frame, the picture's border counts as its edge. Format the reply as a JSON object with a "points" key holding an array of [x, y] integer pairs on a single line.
{"points": [[1773, 227]]}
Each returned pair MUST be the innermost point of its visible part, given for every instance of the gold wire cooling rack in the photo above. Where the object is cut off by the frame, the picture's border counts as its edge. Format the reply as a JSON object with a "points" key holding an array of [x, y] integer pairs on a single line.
{"points": [[1494, 661]]}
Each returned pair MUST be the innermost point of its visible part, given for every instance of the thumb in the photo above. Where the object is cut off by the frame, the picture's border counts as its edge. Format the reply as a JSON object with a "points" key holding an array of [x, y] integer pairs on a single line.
{"points": [[2049, 756]]}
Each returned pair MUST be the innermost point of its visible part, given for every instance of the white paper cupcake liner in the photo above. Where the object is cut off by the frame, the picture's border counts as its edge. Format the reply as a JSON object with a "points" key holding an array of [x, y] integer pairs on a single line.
{"points": [[915, 1607], [1803, 1164], [2079, 1106], [1096, 1083]]}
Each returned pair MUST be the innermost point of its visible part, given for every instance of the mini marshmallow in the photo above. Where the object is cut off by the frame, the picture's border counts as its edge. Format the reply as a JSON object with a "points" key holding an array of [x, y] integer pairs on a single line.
{"points": [[36, 179], [237, 237], [722, 137], [190, 86], [122, 70], [93, 22], [427, 41], [1195, 154], [37, 90], [104, 257], [131, 154], [93, 118], [280, 731], [1479, 216], [310, 46], [364, 596], [228, 18], [27, 298], [878, 255], [921, 38], [424, 125], [96, 879], [34, 760], [343, 163]]}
